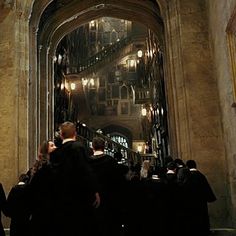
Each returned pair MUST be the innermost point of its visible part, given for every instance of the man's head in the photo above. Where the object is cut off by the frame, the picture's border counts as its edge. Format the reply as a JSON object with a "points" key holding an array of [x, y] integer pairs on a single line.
{"points": [[191, 164], [98, 144], [171, 166], [68, 130], [179, 162], [23, 178]]}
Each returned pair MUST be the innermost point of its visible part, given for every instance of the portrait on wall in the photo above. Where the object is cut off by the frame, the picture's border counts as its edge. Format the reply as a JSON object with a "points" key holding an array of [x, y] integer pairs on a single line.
{"points": [[124, 108]]}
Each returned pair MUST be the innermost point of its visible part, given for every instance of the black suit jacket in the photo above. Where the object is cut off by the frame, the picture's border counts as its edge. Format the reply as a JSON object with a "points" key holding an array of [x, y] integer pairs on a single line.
{"points": [[63, 192], [2, 208], [19, 209], [74, 189]]}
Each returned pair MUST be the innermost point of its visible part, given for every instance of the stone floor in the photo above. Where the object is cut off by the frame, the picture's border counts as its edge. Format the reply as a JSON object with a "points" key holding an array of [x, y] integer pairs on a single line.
{"points": [[224, 232], [215, 232]]}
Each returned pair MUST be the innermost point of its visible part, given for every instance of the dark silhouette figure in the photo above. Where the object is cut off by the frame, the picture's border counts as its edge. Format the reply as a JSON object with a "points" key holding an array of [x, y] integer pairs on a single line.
{"points": [[110, 178], [198, 194], [118, 155], [18, 207], [3, 208], [74, 190]]}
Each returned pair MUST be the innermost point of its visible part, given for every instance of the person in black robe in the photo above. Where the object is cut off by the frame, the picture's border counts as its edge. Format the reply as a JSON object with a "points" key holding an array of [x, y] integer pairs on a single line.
{"points": [[110, 178], [3, 208], [74, 190], [172, 199], [199, 194], [40, 191], [18, 207]]}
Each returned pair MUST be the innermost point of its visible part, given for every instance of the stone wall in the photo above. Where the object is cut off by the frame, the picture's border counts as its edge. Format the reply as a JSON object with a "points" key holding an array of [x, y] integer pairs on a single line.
{"points": [[195, 99], [8, 112], [14, 75], [197, 107], [219, 15]]}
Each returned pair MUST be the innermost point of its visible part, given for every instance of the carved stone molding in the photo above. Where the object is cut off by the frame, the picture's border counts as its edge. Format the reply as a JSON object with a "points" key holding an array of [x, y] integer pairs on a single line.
{"points": [[231, 38]]}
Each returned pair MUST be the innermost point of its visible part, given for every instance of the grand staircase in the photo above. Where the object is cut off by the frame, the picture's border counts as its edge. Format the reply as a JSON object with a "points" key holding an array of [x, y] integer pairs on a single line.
{"points": [[103, 58]]}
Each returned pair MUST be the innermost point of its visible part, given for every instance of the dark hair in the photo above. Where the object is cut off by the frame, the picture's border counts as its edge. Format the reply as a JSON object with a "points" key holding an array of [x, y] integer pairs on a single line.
{"points": [[24, 178], [191, 164], [167, 160], [67, 130], [43, 150], [171, 165], [179, 162], [98, 143]]}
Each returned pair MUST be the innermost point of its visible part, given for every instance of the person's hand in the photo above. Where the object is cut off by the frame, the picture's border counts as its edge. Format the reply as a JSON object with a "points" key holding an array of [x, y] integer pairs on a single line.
{"points": [[97, 200]]}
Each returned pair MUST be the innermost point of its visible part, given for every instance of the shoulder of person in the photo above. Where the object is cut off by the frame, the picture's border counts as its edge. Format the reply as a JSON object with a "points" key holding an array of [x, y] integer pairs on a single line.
{"points": [[77, 144]]}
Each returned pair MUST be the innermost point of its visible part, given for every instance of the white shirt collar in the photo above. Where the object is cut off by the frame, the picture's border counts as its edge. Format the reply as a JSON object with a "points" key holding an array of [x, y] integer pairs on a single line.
{"points": [[193, 169], [96, 153], [67, 140], [170, 172], [21, 183]]}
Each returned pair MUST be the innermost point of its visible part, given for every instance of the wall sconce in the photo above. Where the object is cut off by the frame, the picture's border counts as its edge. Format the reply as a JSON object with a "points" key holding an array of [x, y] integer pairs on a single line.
{"points": [[62, 86], [72, 86], [91, 82], [84, 82], [144, 111], [92, 24], [140, 53], [131, 65], [139, 148]]}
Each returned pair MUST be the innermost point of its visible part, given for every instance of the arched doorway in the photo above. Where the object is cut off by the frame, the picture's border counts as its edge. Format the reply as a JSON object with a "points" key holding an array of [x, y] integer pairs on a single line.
{"points": [[186, 135], [66, 18]]}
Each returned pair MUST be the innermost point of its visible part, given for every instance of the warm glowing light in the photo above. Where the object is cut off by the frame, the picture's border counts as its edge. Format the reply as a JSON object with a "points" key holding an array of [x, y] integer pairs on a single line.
{"points": [[72, 86], [67, 86], [132, 63], [162, 111], [91, 82], [140, 53], [59, 58], [144, 111], [84, 81], [139, 148], [62, 86], [92, 23]]}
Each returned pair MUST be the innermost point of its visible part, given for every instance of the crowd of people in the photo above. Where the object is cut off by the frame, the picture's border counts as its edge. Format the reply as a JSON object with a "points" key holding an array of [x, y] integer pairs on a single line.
{"points": [[73, 191]]}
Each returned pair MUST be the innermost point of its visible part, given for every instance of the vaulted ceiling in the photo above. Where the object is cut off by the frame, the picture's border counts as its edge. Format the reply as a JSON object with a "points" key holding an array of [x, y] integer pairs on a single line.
{"points": [[60, 17]]}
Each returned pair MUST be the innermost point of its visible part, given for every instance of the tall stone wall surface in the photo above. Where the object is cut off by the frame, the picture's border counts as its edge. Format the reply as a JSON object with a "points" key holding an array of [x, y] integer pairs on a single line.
{"points": [[219, 16], [196, 99], [8, 110], [8, 104], [14, 72]]}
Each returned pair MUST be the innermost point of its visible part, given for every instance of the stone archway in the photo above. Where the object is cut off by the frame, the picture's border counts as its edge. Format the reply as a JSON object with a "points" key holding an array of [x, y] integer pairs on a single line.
{"points": [[193, 101], [122, 130], [55, 28]]}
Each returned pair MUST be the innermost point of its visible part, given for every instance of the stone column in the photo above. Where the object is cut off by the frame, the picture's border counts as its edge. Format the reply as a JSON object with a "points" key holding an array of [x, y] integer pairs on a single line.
{"points": [[14, 75], [193, 97]]}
